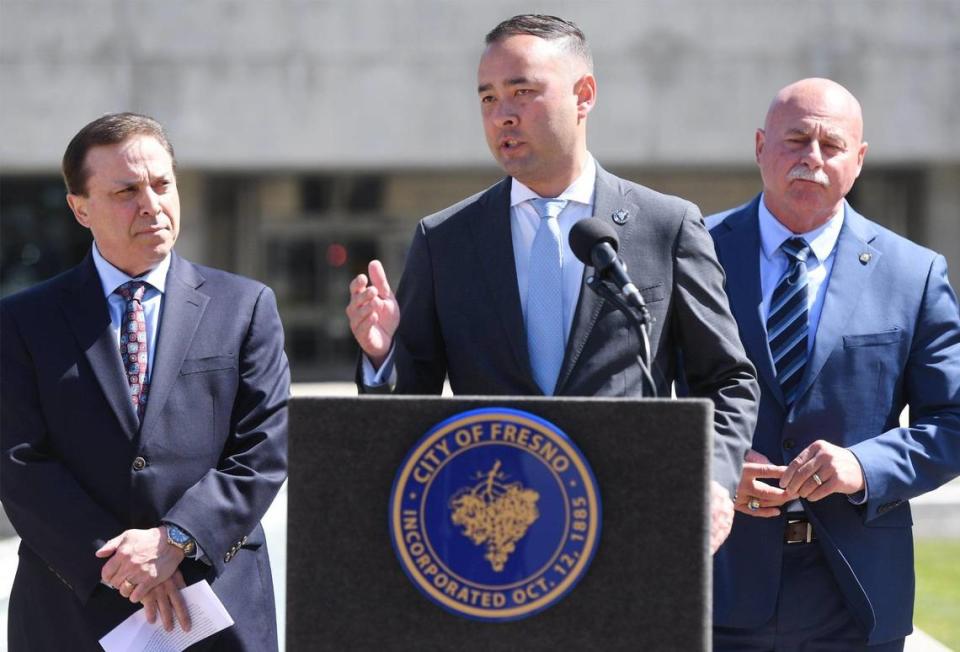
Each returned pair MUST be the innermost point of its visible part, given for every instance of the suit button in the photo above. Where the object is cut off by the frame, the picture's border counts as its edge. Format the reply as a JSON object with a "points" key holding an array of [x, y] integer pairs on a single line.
{"points": [[789, 443], [139, 464]]}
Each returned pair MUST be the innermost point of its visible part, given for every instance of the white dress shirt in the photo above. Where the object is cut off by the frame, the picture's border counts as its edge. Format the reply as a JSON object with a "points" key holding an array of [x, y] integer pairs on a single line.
{"points": [[524, 222]]}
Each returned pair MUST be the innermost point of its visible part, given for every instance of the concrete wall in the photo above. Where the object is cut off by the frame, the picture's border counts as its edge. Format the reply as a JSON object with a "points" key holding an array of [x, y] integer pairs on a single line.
{"points": [[272, 88], [303, 83]]}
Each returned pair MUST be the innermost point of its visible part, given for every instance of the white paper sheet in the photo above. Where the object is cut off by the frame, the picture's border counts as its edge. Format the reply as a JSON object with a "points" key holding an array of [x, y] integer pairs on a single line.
{"points": [[207, 615]]}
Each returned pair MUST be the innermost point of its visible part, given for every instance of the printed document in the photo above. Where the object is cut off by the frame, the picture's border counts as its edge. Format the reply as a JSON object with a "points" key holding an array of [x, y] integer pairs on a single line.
{"points": [[207, 616]]}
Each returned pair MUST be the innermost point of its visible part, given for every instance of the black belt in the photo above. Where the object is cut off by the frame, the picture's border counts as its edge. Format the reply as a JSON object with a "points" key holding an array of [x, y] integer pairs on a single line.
{"points": [[798, 530]]}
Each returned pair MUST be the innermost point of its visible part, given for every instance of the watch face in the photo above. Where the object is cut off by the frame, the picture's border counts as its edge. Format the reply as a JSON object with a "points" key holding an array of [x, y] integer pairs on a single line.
{"points": [[177, 535]]}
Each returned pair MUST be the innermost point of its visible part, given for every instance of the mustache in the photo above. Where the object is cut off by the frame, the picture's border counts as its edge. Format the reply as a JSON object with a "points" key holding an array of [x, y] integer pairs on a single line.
{"points": [[804, 173]]}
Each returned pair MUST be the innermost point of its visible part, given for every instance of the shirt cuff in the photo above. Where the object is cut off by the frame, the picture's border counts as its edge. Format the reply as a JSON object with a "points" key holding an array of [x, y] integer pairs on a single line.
{"points": [[386, 375], [861, 497]]}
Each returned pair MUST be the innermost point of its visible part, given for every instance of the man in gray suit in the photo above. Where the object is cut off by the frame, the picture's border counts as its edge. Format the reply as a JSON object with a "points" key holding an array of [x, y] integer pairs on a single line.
{"points": [[492, 297]]}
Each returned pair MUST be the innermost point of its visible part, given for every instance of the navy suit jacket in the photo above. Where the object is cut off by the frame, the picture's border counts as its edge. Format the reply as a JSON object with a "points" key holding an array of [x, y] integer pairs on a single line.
{"points": [[213, 439], [889, 335], [461, 314]]}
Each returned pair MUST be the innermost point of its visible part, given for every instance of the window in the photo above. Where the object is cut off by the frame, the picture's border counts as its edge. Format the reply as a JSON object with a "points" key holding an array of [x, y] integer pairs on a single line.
{"points": [[39, 237]]}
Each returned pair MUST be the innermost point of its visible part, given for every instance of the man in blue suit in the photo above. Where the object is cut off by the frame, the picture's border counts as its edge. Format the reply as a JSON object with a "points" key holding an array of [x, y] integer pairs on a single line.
{"points": [[143, 416], [846, 323]]}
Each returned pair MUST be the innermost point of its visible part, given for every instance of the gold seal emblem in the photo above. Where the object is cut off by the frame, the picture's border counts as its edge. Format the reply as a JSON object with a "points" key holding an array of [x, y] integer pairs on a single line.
{"points": [[495, 514]]}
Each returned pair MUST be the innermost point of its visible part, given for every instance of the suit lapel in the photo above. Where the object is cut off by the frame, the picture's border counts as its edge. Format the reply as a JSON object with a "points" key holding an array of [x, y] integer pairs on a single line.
{"points": [[846, 285], [89, 317], [490, 227], [183, 307], [608, 198], [738, 247]]}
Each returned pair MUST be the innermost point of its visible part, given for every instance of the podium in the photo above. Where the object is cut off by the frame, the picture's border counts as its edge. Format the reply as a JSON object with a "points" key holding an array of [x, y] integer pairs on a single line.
{"points": [[648, 587]]}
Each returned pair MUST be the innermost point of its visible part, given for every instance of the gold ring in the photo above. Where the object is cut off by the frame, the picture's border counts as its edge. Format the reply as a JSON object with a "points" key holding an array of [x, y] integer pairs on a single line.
{"points": [[816, 478], [753, 505], [132, 584]]}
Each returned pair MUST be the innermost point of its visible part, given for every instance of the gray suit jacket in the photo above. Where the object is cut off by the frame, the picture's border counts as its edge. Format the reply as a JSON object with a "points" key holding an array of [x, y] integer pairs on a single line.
{"points": [[461, 314]]}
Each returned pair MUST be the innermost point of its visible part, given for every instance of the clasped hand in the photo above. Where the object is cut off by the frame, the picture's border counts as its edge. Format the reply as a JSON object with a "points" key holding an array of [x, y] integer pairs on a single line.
{"points": [[819, 470], [143, 567]]}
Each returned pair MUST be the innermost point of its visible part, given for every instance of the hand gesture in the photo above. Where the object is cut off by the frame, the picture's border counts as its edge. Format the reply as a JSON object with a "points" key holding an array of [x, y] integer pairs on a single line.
{"points": [[373, 312], [755, 498], [822, 469]]}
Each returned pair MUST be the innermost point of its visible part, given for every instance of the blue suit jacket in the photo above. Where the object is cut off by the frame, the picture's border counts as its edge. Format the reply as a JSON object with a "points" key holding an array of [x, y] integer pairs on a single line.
{"points": [[461, 314], [213, 438], [889, 335]]}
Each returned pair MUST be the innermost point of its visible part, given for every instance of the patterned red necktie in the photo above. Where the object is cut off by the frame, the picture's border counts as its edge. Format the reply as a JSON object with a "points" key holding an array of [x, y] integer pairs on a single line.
{"points": [[133, 343]]}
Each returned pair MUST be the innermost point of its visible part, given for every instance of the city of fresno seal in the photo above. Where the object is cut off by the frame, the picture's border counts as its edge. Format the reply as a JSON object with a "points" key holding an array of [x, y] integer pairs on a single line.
{"points": [[495, 514]]}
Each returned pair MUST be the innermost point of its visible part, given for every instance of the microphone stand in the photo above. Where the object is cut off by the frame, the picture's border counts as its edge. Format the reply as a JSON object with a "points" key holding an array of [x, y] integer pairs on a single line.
{"points": [[639, 318]]}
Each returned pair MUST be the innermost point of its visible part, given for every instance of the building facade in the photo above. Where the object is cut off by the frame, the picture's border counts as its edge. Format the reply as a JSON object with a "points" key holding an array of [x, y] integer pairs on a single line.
{"points": [[312, 135]]}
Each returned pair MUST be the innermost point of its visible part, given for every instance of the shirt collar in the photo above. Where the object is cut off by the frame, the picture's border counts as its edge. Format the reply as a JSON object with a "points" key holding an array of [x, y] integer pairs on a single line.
{"points": [[111, 278], [822, 240], [581, 190]]}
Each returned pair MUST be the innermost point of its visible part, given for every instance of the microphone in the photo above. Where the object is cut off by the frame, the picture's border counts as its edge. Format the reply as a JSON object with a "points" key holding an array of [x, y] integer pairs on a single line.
{"points": [[595, 243]]}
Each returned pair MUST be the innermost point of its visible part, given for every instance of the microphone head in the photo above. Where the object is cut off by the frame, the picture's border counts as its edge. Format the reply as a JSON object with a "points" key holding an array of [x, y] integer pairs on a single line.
{"points": [[588, 233]]}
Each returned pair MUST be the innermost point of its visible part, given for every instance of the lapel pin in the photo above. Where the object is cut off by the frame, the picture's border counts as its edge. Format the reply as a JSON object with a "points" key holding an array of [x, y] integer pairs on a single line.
{"points": [[864, 258], [621, 216]]}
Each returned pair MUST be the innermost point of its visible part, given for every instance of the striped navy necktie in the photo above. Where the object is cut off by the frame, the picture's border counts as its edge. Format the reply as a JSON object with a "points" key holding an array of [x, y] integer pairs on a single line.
{"points": [[788, 320]]}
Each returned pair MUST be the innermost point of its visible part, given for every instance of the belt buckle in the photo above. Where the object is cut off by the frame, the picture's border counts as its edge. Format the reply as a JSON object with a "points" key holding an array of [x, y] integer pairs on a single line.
{"points": [[807, 534]]}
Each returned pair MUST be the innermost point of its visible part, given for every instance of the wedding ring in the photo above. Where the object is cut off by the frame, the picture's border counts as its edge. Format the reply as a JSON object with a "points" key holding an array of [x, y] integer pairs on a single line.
{"points": [[753, 505], [816, 478]]}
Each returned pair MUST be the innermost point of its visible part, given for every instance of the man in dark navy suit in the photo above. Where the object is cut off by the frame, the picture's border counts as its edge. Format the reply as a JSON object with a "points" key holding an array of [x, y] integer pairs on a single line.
{"points": [[144, 417]]}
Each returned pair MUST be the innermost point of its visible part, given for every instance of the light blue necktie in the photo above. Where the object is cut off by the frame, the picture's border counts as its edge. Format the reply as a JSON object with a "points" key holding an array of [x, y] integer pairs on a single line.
{"points": [[787, 324], [545, 296]]}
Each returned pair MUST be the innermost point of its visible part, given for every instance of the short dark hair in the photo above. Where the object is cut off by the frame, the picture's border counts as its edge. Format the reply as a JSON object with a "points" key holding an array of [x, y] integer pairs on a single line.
{"points": [[110, 129], [549, 28]]}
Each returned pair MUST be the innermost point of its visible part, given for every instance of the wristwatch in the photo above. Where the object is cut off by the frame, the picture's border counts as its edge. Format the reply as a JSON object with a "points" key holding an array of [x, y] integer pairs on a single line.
{"points": [[182, 540]]}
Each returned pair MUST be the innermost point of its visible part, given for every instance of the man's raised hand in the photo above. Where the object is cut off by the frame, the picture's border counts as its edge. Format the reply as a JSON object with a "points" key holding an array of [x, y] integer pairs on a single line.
{"points": [[373, 312]]}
